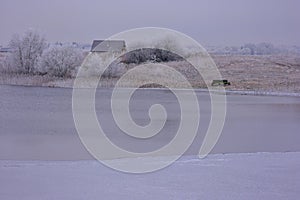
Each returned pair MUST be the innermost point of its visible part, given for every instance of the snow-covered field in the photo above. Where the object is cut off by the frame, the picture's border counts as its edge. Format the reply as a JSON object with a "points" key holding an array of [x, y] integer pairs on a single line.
{"points": [[232, 176]]}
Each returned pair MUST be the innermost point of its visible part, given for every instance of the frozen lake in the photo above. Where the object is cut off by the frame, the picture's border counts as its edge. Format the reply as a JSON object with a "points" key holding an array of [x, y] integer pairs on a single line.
{"points": [[41, 156], [233, 177], [37, 124]]}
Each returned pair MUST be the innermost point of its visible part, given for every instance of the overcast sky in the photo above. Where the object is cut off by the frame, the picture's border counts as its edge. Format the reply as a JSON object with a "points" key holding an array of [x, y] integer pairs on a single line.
{"points": [[210, 22]]}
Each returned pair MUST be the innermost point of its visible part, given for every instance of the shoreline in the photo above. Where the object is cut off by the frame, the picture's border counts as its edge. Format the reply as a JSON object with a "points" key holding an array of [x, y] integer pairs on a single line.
{"points": [[183, 158], [215, 91]]}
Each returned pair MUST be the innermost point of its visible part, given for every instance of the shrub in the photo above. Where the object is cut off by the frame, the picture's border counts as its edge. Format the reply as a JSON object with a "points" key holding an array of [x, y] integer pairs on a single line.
{"points": [[149, 55], [60, 61]]}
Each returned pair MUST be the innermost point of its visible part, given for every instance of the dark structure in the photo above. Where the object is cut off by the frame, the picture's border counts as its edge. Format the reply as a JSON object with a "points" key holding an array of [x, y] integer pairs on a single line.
{"points": [[108, 46], [5, 50], [220, 83]]}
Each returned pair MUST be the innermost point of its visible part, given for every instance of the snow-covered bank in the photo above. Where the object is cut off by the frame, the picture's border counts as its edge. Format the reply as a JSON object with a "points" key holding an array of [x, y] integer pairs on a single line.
{"points": [[259, 75], [68, 84], [233, 176], [255, 93]]}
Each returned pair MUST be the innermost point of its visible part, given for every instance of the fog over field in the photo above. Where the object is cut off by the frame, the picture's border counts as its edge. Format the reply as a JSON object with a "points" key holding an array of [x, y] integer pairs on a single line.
{"points": [[209, 22]]}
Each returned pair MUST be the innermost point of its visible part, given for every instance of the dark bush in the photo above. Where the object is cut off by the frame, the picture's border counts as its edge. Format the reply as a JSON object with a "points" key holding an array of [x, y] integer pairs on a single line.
{"points": [[149, 55]]}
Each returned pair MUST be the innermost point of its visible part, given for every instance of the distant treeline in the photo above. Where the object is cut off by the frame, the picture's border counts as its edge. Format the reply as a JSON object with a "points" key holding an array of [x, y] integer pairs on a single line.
{"points": [[254, 49]]}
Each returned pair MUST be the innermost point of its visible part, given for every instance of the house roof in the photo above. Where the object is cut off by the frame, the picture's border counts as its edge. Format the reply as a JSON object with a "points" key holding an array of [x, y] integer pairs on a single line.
{"points": [[108, 45], [5, 49]]}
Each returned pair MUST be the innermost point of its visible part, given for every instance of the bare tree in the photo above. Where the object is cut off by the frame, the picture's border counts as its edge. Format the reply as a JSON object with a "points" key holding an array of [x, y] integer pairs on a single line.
{"points": [[27, 50]]}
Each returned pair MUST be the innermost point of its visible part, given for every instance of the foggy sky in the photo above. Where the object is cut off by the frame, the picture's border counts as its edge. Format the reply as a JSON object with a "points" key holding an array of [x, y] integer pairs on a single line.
{"points": [[210, 22]]}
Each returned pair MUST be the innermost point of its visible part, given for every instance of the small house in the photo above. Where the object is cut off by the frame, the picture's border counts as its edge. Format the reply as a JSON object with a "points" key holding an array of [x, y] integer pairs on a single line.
{"points": [[116, 46]]}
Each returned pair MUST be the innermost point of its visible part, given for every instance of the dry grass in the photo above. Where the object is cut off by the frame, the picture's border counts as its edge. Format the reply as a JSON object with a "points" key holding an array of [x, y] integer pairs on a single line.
{"points": [[261, 73], [34, 80], [258, 73]]}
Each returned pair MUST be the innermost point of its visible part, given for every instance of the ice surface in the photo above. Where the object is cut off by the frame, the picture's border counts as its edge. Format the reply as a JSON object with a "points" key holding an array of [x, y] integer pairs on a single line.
{"points": [[230, 176]]}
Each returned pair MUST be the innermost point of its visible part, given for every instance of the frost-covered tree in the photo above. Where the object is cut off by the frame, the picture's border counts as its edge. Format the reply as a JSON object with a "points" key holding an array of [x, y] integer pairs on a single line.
{"points": [[26, 51], [251, 48], [265, 49], [260, 49], [60, 61]]}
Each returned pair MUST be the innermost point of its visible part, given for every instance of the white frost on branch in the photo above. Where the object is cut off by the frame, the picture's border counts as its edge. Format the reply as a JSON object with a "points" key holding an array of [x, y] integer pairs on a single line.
{"points": [[26, 51], [61, 61]]}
